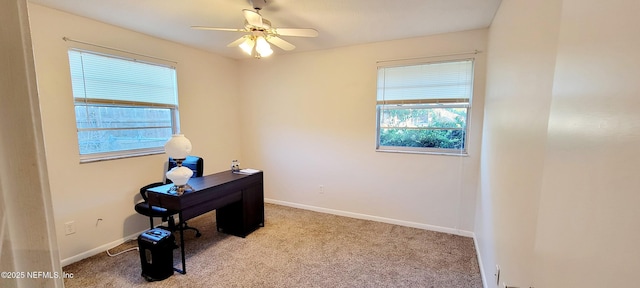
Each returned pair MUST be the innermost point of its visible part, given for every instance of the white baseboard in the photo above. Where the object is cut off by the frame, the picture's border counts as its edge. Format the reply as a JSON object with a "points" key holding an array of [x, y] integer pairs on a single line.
{"points": [[99, 249], [373, 218], [483, 275]]}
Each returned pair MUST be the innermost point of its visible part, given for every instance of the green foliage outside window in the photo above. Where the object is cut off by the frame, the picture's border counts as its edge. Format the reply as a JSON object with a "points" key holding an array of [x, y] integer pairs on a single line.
{"points": [[449, 139], [423, 126]]}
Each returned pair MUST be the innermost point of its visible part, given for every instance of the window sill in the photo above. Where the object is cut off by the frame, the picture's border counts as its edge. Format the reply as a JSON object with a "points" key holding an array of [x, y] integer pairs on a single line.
{"points": [[423, 152], [114, 156]]}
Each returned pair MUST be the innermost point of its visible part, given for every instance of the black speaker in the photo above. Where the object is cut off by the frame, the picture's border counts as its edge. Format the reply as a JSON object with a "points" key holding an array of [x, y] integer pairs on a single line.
{"points": [[156, 254]]}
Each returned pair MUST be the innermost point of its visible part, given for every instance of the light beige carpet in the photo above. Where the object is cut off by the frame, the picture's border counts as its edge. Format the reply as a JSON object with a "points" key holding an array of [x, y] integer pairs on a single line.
{"points": [[299, 248]]}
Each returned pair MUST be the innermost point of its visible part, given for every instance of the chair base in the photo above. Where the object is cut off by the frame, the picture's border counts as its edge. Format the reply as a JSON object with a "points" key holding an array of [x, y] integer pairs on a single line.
{"points": [[183, 226]]}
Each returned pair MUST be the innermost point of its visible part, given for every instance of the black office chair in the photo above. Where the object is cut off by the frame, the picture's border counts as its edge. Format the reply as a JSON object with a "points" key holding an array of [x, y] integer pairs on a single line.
{"points": [[192, 162]]}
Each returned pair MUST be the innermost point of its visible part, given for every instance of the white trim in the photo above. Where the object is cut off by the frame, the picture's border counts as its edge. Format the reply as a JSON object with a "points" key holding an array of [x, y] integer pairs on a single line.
{"points": [[423, 151], [99, 249], [444, 56], [128, 55], [483, 275], [373, 218]]}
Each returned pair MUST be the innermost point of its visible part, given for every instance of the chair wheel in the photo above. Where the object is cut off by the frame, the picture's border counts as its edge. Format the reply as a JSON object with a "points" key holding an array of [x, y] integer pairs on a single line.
{"points": [[198, 234]]}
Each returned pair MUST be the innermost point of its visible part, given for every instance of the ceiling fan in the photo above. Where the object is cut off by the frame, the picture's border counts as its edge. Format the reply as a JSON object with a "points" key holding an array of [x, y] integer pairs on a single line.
{"points": [[259, 33]]}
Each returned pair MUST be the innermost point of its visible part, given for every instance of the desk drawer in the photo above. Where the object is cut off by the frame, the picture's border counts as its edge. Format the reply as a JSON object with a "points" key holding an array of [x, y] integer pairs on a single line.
{"points": [[204, 207]]}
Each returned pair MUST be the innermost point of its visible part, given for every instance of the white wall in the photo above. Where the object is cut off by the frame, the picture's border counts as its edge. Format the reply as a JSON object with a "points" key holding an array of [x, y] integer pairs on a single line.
{"points": [[520, 65], [588, 222], [208, 96], [309, 119], [559, 189]]}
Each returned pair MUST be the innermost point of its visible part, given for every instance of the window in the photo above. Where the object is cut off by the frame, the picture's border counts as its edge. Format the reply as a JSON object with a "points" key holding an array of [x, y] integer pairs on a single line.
{"points": [[424, 107], [123, 107]]}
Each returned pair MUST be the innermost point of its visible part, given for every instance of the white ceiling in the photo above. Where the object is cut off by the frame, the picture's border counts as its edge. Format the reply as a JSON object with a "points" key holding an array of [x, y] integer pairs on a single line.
{"points": [[339, 22]]}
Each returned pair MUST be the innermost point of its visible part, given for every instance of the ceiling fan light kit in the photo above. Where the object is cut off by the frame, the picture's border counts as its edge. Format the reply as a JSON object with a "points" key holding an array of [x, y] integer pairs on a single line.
{"points": [[260, 33], [256, 46]]}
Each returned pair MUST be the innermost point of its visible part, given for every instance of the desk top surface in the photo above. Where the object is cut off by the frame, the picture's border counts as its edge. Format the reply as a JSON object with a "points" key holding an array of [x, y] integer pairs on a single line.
{"points": [[204, 182]]}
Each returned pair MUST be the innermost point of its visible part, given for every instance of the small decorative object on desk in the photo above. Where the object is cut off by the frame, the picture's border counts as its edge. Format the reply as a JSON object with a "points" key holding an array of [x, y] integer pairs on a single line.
{"points": [[235, 166]]}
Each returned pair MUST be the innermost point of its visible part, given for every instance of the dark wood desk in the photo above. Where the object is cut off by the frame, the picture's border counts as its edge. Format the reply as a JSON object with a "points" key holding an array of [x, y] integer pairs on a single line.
{"points": [[237, 198]]}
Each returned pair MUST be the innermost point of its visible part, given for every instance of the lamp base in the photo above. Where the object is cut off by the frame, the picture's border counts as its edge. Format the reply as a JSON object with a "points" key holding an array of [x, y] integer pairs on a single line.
{"points": [[180, 189]]}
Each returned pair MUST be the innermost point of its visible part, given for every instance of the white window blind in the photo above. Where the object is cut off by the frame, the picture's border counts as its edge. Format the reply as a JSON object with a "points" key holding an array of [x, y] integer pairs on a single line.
{"points": [[106, 79], [426, 83], [124, 107]]}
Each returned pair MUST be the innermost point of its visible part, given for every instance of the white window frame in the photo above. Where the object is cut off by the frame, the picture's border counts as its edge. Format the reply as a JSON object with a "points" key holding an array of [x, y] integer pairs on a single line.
{"points": [[82, 100], [430, 103]]}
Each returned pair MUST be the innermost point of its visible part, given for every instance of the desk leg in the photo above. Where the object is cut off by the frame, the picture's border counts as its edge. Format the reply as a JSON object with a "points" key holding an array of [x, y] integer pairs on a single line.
{"points": [[184, 268]]}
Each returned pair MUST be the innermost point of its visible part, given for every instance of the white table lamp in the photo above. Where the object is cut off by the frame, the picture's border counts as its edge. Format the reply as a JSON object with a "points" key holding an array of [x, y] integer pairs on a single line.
{"points": [[178, 148]]}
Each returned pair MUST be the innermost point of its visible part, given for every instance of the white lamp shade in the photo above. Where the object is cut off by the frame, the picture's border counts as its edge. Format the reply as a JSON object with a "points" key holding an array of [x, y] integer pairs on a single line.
{"points": [[263, 47], [179, 175], [178, 147], [247, 45]]}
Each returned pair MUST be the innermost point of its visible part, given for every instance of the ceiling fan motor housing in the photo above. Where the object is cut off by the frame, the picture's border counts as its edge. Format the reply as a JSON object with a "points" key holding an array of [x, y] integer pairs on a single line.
{"points": [[266, 25]]}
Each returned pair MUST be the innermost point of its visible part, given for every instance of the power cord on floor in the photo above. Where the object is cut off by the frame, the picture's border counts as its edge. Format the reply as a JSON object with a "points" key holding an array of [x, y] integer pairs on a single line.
{"points": [[127, 250], [130, 249]]}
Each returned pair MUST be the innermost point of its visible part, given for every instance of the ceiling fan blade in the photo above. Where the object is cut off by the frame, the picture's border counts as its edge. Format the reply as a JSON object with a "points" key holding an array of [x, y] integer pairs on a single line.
{"points": [[253, 18], [284, 45], [218, 29], [297, 32], [237, 42]]}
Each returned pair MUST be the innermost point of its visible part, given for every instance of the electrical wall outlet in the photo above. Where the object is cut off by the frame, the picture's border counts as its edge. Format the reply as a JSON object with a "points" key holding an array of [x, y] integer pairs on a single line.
{"points": [[321, 189], [70, 228]]}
